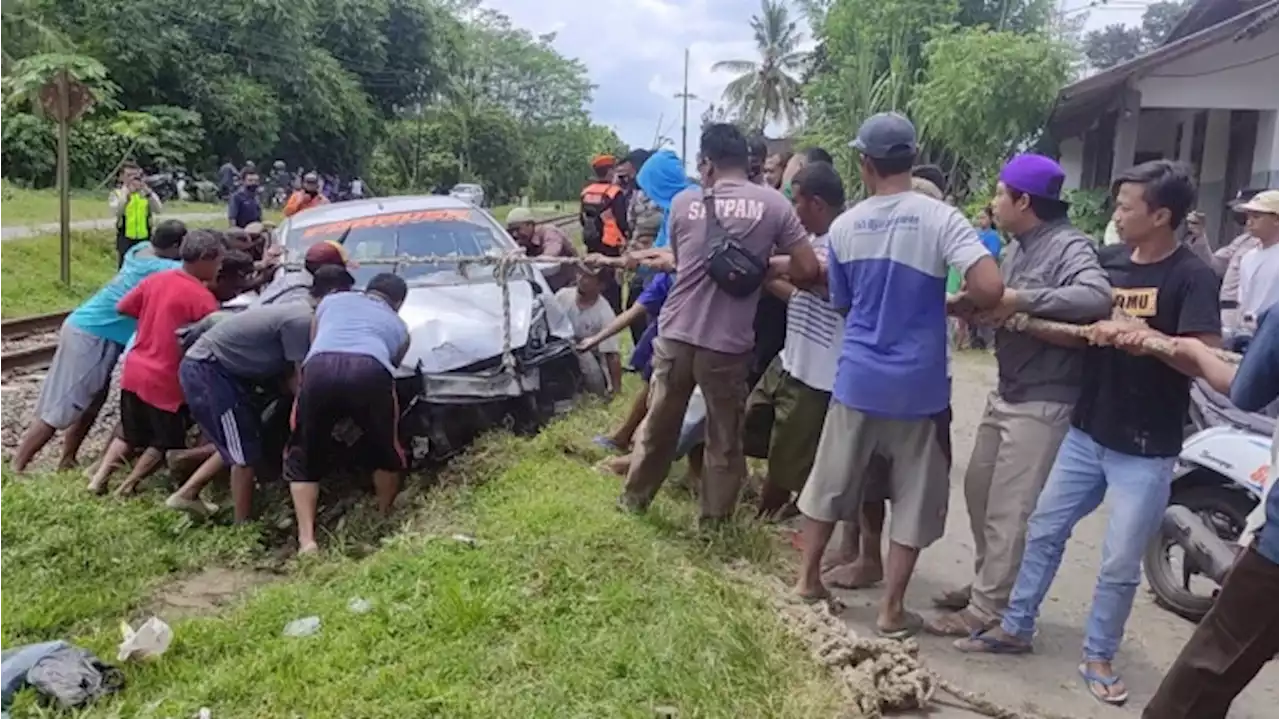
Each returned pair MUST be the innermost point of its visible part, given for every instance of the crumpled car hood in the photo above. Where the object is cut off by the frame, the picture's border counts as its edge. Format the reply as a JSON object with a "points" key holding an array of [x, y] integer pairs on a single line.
{"points": [[452, 326]]}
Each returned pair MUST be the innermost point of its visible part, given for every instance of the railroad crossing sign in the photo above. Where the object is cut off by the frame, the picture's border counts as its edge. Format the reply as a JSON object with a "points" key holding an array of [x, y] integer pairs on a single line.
{"points": [[78, 99]]}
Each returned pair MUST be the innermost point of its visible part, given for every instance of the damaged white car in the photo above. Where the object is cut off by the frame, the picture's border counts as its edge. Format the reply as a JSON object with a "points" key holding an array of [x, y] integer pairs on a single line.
{"points": [[452, 383]]}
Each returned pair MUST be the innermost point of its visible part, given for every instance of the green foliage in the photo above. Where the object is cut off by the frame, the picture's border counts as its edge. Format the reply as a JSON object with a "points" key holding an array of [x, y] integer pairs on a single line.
{"points": [[1090, 210], [986, 93], [337, 86], [975, 93], [28, 76]]}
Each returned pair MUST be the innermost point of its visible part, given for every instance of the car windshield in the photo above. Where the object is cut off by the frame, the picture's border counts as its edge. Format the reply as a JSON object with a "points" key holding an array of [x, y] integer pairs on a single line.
{"points": [[435, 233], [466, 188]]}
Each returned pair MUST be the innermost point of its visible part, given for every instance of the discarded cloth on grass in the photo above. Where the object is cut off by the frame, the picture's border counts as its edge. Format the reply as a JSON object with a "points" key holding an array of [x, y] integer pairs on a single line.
{"points": [[62, 673]]}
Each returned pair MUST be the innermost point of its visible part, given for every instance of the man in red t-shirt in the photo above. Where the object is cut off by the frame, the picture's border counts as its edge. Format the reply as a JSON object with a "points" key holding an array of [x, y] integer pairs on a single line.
{"points": [[152, 408]]}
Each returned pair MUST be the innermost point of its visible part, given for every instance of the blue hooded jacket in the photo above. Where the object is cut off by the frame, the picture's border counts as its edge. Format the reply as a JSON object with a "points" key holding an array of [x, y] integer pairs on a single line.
{"points": [[662, 177]]}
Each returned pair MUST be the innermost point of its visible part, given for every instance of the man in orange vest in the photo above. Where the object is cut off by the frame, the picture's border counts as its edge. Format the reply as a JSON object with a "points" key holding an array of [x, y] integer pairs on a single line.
{"points": [[604, 221]]}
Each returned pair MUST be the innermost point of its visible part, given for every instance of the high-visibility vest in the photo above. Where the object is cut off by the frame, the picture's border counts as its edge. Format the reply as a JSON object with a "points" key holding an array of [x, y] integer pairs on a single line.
{"points": [[137, 217], [599, 226]]}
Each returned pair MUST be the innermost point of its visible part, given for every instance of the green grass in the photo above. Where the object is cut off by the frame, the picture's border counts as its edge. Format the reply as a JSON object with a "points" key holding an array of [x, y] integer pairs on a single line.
{"points": [[565, 608], [72, 562], [21, 207], [29, 268]]}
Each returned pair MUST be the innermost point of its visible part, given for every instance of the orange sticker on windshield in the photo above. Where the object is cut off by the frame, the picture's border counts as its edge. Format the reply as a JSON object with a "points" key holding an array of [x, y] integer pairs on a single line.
{"points": [[393, 219]]}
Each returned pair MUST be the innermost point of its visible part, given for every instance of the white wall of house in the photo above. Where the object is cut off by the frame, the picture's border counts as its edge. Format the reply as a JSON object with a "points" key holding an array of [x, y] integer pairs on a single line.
{"points": [[1230, 75], [1071, 157]]}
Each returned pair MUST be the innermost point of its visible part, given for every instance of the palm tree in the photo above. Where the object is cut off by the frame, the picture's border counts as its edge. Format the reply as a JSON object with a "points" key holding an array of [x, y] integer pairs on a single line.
{"points": [[767, 90]]}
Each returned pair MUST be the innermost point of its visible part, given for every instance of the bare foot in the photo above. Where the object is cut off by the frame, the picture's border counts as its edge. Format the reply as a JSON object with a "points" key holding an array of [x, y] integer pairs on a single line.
{"points": [[839, 557], [309, 548], [98, 487], [855, 575], [615, 465], [127, 489]]}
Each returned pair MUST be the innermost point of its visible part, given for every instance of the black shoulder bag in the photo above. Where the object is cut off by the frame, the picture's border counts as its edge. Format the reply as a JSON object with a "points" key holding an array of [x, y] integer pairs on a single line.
{"points": [[731, 266]]}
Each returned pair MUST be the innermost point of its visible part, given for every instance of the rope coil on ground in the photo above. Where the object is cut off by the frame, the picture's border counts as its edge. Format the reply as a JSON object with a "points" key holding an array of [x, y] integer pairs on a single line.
{"points": [[875, 675]]}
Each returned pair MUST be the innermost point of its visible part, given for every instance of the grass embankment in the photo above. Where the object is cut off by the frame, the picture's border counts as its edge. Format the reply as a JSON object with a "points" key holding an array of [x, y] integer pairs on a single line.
{"points": [[563, 608], [23, 207], [29, 269]]}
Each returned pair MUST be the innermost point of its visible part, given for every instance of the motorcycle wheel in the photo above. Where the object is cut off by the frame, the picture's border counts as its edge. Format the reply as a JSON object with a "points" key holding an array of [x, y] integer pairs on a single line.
{"points": [[1226, 509]]}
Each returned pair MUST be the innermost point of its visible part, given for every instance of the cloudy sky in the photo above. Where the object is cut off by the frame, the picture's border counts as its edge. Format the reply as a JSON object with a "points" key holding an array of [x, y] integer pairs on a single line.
{"points": [[634, 50]]}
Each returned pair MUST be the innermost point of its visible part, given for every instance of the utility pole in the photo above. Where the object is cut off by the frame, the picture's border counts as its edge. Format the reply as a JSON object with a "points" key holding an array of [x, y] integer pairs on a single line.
{"points": [[684, 115]]}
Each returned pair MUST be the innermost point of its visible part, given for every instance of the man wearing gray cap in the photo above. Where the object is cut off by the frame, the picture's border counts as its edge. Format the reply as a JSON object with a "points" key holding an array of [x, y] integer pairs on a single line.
{"points": [[887, 273]]}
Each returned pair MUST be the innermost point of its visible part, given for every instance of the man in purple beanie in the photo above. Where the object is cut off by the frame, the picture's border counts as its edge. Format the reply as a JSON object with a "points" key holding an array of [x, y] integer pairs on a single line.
{"points": [[1126, 428], [1051, 271]]}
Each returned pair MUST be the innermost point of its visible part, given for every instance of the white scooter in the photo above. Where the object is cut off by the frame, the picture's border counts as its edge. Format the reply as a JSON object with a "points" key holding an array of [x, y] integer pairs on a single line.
{"points": [[1217, 481]]}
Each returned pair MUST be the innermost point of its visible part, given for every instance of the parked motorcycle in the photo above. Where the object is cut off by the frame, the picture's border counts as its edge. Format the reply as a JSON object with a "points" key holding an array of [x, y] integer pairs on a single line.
{"points": [[1217, 481], [164, 184]]}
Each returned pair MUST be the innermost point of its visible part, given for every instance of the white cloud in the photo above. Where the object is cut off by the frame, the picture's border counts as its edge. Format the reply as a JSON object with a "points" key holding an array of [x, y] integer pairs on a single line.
{"points": [[634, 52]]}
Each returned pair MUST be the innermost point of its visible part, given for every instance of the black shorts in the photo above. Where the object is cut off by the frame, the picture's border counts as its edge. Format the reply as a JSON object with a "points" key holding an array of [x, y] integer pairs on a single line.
{"points": [[346, 414], [142, 425]]}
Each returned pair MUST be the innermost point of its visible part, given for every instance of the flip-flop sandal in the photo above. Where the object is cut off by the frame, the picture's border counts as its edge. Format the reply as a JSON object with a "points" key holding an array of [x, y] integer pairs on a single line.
{"points": [[1092, 678], [953, 624], [912, 624], [982, 642]]}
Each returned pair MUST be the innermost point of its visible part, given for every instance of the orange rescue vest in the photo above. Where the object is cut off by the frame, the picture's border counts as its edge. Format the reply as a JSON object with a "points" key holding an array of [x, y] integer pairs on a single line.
{"points": [[599, 226]]}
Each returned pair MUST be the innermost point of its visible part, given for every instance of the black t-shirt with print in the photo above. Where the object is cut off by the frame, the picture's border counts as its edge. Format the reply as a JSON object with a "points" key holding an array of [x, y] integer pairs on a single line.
{"points": [[1137, 405]]}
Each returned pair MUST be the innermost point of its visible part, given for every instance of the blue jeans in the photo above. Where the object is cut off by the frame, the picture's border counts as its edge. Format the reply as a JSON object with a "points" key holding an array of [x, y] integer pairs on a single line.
{"points": [[1083, 473]]}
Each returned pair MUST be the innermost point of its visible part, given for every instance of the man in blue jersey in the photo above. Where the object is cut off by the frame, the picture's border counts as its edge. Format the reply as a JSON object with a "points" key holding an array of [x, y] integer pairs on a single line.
{"points": [[887, 273], [91, 341]]}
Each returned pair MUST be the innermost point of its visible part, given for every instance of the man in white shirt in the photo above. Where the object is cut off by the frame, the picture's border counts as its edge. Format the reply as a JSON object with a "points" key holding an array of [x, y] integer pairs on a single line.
{"points": [[1260, 266], [788, 405], [589, 313]]}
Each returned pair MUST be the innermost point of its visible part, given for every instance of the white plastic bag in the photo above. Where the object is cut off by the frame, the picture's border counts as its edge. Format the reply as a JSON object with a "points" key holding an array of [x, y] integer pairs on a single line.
{"points": [[146, 642]]}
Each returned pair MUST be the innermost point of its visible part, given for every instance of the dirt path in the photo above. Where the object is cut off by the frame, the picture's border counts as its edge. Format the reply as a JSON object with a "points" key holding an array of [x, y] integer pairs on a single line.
{"points": [[21, 231], [1045, 681]]}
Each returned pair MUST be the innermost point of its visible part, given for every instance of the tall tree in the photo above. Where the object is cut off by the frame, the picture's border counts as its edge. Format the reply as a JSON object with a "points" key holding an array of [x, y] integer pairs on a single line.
{"points": [[1159, 18], [1112, 45], [767, 90], [978, 121]]}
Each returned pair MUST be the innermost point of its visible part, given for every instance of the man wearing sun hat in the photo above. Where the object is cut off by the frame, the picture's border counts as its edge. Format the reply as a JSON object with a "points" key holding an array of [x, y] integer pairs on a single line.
{"points": [[1052, 271], [1260, 266]]}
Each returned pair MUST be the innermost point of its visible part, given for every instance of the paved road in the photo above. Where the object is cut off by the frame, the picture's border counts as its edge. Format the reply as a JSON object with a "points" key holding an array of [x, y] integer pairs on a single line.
{"points": [[19, 232], [1044, 683]]}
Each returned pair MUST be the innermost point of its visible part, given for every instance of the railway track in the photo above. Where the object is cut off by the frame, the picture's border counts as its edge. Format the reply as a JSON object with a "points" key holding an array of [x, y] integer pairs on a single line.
{"points": [[36, 355]]}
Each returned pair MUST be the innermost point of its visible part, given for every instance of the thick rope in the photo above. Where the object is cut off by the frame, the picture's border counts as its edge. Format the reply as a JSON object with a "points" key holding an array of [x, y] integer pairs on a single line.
{"points": [[1156, 345], [875, 675]]}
